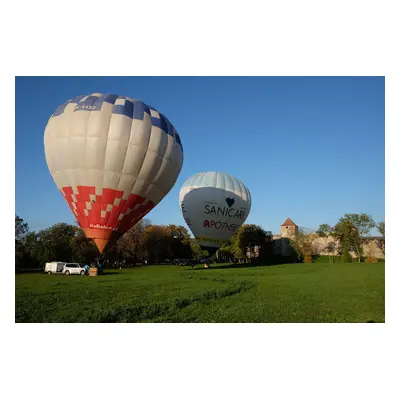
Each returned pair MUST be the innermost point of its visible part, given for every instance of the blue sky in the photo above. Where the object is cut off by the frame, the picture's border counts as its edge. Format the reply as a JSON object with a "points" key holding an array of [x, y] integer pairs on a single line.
{"points": [[309, 148]]}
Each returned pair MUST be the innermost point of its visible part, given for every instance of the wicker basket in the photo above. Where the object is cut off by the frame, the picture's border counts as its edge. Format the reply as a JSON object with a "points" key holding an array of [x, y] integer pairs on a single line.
{"points": [[93, 271]]}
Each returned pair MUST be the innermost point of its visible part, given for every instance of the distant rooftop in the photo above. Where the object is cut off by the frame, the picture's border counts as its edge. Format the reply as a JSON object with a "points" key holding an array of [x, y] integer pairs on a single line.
{"points": [[288, 222]]}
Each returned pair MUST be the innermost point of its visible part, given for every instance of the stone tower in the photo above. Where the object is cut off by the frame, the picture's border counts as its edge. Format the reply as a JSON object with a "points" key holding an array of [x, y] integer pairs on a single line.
{"points": [[289, 229]]}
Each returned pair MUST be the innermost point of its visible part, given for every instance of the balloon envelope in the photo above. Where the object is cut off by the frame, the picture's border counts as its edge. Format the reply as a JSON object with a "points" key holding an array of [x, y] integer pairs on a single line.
{"points": [[214, 205], [113, 158]]}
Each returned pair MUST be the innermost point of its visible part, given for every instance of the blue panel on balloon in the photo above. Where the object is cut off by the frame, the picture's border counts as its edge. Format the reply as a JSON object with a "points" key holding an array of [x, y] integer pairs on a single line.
{"points": [[104, 98], [139, 108], [77, 99], [178, 140], [60, 110], [126, 109], [168, 126], [156, 122], [132, 109]]}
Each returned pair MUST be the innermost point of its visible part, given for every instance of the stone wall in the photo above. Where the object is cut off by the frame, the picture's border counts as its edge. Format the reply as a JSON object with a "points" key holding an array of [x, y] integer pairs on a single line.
{"points": [[370, 247]]}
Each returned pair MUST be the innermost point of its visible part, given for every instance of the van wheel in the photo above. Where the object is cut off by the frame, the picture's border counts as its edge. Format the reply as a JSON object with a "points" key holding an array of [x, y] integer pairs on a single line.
{"points": [[82, 273], [49, 272], [66, 272]]}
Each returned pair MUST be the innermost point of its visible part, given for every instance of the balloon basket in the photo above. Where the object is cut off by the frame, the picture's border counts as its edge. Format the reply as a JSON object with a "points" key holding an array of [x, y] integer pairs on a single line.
{"points": [[205, 265], [93, 271]]}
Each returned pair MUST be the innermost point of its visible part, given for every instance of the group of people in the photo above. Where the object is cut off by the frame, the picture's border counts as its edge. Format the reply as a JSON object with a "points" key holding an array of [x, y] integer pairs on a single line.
{"points": [[98, 263]]}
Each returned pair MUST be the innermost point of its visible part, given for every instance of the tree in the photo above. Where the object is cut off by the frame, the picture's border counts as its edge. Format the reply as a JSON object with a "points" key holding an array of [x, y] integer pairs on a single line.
{"points": [[249, 239], [156, 242], [304, 245], [55, 243], [21, 230], [349, 231], [347, 236], [179, 242], [331, 248], [363, 222], [83, 249], [130, 247], [196, 250], [238, 250], [325, 231], [381, 229], [32, 251], [226, 252]]}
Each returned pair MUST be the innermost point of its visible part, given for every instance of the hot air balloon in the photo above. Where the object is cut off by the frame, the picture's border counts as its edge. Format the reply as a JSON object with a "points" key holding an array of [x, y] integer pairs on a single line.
{"points": [[214, 206], [114, 159]]}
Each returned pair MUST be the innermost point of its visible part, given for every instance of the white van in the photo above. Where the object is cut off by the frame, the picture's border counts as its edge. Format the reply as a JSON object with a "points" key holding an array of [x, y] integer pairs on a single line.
{"points": [[54, 267]]}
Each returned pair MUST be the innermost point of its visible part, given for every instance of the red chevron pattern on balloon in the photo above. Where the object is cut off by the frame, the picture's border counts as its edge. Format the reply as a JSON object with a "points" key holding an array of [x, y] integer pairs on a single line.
{"points": [[108, 211]]}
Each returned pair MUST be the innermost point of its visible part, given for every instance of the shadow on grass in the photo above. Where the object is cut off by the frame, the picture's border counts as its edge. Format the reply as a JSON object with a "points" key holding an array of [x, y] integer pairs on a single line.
{"points": [[200, 267], [160, 312], [109, 273]]}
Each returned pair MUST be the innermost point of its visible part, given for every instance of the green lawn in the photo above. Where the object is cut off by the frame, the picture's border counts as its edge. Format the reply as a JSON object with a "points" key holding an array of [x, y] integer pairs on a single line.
{"points": [[319, 292]]}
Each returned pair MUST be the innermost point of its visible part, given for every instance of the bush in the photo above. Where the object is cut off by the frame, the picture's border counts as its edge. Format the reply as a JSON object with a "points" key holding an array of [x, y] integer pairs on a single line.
{"points": [[308, 258]]}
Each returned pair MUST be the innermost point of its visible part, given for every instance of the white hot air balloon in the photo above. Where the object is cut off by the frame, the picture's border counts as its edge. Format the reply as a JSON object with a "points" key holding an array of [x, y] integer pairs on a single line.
{"points": [[214, 206], [113, 158]]}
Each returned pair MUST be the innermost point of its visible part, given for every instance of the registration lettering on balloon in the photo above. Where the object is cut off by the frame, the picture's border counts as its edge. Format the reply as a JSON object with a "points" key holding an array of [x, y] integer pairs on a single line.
{"points": [[88, 103], [83, 107]]}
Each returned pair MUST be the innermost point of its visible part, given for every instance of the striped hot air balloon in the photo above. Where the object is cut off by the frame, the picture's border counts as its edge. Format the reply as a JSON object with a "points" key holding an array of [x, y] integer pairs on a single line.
{"points": [[114, 159]]}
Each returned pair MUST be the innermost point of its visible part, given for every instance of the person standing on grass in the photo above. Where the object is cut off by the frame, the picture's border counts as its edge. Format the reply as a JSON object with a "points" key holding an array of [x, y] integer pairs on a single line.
{"points": [[100, 263]]}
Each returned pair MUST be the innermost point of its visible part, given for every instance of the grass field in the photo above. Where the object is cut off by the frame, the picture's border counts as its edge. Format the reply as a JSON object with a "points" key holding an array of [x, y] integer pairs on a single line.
{"points": [[319, 292]]}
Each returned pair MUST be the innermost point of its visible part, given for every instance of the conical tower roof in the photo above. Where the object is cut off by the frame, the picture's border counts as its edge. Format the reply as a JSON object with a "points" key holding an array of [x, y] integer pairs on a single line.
{"points": [[288, 222]]}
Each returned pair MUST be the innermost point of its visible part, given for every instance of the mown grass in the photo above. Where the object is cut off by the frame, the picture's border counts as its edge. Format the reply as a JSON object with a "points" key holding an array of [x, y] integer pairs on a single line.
{"points": [[320, 292]]}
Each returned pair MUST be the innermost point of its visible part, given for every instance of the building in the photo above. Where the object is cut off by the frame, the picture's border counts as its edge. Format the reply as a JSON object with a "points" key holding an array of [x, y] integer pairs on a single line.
{"points": [[324, 246], [281, 243], [372, 245], [289, 229]]}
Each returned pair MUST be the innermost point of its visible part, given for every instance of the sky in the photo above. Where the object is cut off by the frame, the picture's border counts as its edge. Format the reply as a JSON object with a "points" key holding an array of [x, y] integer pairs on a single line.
{"points": [[308, 148]]}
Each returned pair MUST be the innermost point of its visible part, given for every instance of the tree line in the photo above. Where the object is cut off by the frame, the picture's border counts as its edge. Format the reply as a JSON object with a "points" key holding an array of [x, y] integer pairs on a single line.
{"points": [[144, 243], [65, 242], [148, 243]]}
